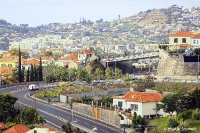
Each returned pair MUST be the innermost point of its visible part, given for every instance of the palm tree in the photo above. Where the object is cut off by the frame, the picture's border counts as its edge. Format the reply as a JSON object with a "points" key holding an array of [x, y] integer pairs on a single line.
{"points": [[98, 73], [118, 73], [108, 72]]}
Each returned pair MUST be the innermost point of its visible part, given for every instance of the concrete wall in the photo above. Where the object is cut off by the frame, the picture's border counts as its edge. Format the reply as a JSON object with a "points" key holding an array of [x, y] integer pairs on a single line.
{"points": [[175, 68], [108, 116]]}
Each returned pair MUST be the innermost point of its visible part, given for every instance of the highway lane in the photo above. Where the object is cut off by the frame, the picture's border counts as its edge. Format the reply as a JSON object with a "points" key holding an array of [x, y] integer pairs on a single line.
{"points": [[7, 89], [90, 124]]}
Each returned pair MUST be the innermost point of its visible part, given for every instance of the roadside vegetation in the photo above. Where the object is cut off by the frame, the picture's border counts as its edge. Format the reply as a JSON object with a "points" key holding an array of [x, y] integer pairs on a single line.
{"points": [[12, 115]]}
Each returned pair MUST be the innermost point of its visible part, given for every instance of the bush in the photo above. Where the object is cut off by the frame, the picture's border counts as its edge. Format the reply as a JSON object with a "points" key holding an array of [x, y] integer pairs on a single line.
{"points": [[196, 116], [172, 123]]}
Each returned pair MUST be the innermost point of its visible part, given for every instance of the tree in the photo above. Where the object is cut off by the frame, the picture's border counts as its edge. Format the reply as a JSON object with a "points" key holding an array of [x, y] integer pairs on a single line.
{"points": [[118, 73], [185, 115], [174, 102], [40, 119], [108, 72], [98, 73], [67, 128], [28, 76], [32, 73], [40, 74], [172, 123], [195, 98], [139, 122], [35, 73], [7, 108], [20, 67]]}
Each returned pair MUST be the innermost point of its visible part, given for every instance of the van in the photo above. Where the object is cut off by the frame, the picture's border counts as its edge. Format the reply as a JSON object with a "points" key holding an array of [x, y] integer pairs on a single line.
{"points": [[32, 87]]}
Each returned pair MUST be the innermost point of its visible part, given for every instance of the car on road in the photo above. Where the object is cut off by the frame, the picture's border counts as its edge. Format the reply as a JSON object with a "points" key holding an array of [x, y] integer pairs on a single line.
{"points": [[166, 79], [33, 87], [98, 81]]}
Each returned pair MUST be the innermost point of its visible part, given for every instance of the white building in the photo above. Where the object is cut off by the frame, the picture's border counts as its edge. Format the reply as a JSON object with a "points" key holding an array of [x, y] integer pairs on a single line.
{"points": [[196, 40], [143, 103]]}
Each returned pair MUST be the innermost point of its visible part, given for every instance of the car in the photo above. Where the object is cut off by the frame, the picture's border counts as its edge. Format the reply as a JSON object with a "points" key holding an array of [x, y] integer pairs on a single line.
{"points": [[98, 81], [166, 79], [33, 87]]}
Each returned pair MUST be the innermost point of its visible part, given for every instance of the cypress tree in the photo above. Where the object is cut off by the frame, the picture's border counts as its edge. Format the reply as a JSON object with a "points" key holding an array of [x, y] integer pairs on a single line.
{"points": [[32, 73], [27, 76], [35, 73], [40, 74], [19, 67], [23, 74]]}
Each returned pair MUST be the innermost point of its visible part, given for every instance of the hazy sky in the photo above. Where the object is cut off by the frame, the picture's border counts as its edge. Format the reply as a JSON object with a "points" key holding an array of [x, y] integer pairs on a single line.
{"points": [[37, 12]]}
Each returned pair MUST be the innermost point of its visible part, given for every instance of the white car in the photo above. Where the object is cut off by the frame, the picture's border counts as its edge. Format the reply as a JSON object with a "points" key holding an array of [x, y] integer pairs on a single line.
{"points": [[33, 87]]}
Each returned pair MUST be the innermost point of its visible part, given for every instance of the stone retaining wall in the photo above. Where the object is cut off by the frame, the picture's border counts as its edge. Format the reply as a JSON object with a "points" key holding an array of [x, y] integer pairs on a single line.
{"points": [[175, 68]]}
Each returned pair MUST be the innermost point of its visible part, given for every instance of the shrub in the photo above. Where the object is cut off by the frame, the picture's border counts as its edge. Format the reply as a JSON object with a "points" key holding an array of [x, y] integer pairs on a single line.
{"points": [[196, 116], [172, 123]]}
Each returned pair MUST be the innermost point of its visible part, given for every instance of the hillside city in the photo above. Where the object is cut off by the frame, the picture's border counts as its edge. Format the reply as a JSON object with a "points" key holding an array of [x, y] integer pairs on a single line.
{"points": [[133, 74]]}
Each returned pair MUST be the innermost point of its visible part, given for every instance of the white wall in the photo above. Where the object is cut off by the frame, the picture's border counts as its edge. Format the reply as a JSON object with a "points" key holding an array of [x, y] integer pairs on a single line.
{"points": [[139, 111], [195, 42], [149, 108], [115, 102]]}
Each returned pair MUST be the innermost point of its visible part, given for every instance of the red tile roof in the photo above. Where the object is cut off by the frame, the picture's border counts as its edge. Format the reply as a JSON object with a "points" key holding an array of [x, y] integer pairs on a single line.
{"points": [[2, 125], [17, 129], [32, 61], [183, 45], [86, 52], [182, 34], [72, 57], [197, 36], [50, 129], [141, 97]]}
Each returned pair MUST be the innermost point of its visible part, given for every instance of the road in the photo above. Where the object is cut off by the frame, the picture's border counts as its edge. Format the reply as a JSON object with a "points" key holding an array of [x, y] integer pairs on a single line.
{"points": [[58, 116]]}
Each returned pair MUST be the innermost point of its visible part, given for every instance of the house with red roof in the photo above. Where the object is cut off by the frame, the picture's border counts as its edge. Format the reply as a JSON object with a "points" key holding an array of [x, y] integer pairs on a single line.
{"points": [[196, 40], [86, 55], [143, 103], [64, 61], [47, 60], [17, 129], [75, 64], [43, 129], [181, 39], [27, 63]]}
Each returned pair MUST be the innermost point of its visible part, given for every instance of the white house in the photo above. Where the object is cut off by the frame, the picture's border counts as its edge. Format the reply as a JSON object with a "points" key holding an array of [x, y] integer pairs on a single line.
{"points": [[83, 55], [143, 103], [196, 41]]}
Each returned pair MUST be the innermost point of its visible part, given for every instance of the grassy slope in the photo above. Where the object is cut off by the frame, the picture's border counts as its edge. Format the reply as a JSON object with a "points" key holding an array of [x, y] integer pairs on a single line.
{"points": [[161, 124]]}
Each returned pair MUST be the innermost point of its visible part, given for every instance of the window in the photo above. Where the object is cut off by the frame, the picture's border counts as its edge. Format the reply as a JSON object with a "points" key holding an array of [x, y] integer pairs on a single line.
{"points": [[134, 107], [183, 40], [119, 104], [194, 41], [10, 65], [197, 42], [175, 40]]}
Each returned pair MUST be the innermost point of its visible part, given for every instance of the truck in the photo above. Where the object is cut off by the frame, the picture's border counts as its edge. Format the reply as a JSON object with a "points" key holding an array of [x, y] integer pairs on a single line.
{"points": [[33, 87]]}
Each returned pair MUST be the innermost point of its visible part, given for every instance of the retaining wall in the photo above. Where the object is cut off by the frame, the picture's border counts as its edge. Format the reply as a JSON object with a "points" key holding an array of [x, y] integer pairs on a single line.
{"points": [[175, 67]]}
